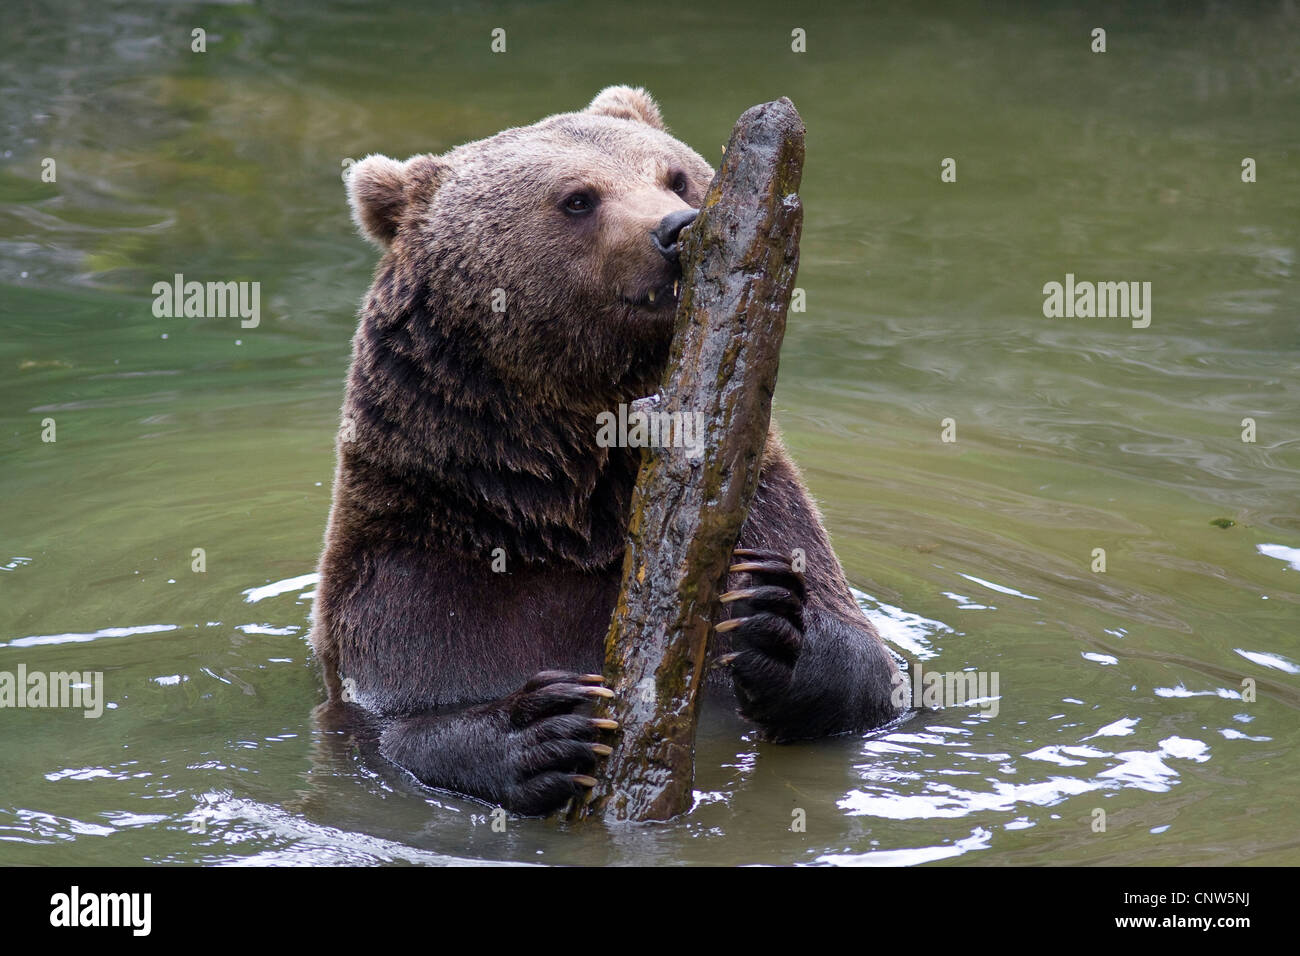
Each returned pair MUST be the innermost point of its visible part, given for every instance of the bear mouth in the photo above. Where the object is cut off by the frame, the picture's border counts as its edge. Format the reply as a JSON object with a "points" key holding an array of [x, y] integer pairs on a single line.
{"points": [[659, 298]]}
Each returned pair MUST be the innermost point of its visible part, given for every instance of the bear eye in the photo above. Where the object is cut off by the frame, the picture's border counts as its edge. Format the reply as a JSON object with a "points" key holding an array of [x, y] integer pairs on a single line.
{"points": [[679, 183], [579, 203]]}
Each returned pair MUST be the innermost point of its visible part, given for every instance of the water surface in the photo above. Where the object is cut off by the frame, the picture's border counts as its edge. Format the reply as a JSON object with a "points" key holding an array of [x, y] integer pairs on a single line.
{"points": [[1120, 690]]}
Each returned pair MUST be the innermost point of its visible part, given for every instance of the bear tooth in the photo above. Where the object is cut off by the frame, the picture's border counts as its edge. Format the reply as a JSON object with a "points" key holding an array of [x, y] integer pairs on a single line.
{"points": [[675, 285], [652, 295]]}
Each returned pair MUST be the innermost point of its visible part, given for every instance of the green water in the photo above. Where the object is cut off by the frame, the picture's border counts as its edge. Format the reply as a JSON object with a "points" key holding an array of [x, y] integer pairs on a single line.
{"points": [[1121, 691]]}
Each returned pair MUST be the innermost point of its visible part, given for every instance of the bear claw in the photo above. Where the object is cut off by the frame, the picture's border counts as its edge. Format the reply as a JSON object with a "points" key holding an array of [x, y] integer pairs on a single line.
{"points": [[766, 625], [758, 553], [551, 749]]}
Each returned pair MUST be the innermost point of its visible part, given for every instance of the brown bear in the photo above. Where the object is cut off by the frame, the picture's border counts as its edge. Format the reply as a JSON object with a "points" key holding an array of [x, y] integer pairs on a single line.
{"points": [[474, 547]]}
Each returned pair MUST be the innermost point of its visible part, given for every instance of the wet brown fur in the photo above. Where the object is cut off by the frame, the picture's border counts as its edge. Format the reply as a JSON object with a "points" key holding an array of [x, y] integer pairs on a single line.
{"points": [[467, 430]]}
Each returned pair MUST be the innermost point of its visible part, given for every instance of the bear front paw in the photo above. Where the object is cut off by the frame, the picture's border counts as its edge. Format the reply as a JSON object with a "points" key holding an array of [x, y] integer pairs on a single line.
{"points": [[765, 627], [553, 751]]}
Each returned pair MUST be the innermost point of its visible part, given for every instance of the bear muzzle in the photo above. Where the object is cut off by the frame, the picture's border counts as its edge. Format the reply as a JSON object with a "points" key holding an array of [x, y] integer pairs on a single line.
{"points": [[665, 236], [657, 298], [661, 293]]}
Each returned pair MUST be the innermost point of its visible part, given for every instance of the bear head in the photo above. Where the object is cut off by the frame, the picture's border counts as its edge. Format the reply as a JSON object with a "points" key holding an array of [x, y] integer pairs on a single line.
{"points": [[527, 285], [547, 253]]}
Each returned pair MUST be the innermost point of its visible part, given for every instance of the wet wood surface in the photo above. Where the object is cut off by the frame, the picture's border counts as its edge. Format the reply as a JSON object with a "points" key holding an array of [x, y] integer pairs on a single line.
{"points": [[739, 260]]}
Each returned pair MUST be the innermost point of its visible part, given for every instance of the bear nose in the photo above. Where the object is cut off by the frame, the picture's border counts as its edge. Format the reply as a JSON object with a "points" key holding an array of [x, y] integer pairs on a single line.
{"points": [[670, 226]]}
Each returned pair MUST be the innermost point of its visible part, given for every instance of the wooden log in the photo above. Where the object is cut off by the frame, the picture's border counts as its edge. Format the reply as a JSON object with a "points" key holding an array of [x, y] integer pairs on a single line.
{"points": [[739, 259]]}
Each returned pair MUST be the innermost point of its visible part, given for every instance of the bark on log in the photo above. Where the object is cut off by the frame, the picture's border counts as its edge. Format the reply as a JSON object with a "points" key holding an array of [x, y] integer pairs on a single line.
{"points": [[739, 259]]}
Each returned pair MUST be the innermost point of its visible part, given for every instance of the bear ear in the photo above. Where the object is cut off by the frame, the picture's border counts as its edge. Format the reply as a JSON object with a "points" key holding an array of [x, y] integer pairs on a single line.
{"points": [[627, 102], [380, 190]]}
